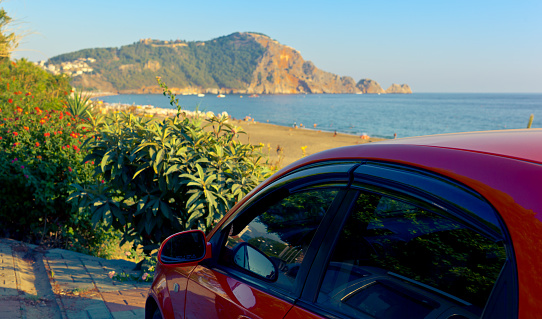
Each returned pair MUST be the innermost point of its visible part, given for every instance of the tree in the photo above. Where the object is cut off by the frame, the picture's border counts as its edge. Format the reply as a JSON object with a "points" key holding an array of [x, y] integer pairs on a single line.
{"points": [[8, 40]]}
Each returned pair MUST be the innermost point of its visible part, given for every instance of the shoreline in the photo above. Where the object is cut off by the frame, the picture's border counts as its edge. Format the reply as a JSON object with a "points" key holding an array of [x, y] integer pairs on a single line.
{"points": [[284, 145]]}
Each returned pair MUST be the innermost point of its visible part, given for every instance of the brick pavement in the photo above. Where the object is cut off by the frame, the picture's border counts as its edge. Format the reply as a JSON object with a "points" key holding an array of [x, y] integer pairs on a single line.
{"points": [[79, 285]]}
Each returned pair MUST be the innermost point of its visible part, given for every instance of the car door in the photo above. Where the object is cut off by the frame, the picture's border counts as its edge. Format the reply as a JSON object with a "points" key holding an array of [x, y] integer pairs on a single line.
{"points": [[263, 252], [410, 244]]}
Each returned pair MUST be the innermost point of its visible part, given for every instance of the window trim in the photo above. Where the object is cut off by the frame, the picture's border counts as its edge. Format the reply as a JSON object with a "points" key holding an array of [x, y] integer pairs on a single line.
{"points": [[321, 176]]}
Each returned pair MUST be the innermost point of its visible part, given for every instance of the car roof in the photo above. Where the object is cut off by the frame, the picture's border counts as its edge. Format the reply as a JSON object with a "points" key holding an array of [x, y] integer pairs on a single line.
{"points": [[518, 144]]}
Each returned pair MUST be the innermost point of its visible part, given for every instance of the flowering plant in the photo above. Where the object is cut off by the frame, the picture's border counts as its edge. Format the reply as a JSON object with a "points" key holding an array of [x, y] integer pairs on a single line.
{"points": [[40, 151]]}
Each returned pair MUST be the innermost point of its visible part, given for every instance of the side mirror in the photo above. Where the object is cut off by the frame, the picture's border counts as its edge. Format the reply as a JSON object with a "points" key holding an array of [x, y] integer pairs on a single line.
{"points": [[184, 247], [254, 261]]}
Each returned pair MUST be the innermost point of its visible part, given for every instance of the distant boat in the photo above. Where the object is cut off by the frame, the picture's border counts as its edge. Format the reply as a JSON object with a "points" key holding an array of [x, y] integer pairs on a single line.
{"points": [[201, 95], [221, 95], [359, 92], [254, 95]]}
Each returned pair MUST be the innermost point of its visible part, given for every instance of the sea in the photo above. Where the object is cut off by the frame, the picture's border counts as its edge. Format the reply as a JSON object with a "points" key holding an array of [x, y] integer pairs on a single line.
{"points": [[385, 115]]}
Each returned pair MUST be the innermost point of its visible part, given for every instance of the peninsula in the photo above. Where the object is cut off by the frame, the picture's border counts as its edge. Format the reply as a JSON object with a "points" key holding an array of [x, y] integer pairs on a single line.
{"points": [[240, 63]]}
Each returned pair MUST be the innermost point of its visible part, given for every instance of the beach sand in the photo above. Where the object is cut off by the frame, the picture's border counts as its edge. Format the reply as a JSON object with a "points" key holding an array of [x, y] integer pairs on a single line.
{"points": [[291, 140]]}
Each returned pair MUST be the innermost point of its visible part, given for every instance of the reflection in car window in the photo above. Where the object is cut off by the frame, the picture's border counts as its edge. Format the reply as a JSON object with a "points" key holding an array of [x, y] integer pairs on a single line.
{"points": [[396, 260], [255, 261], [283, 231]]}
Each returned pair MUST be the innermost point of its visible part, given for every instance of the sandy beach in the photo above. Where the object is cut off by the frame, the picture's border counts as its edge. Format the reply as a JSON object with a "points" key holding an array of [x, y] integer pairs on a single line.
{"points": [[291, 140]]}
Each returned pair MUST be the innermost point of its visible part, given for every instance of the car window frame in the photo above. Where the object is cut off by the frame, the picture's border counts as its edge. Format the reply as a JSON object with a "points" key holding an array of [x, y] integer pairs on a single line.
{"points": [[389, 178], [329, 175]]}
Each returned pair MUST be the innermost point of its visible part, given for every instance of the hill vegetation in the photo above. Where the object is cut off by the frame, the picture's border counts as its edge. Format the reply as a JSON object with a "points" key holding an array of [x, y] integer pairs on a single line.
{"points": [[225, 62]]}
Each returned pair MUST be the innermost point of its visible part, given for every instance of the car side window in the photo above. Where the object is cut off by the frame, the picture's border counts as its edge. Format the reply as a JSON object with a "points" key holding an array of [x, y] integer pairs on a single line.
{"points": [[395, 259], [281, 231]]}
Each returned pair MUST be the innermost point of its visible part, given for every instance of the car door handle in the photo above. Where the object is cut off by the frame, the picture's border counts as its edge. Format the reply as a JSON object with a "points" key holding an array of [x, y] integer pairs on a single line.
{"points": [[243, 317]]}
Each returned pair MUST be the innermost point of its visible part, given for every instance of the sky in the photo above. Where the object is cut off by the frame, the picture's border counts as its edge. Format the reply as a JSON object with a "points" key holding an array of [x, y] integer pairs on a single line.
{"points": [[433, 46]]}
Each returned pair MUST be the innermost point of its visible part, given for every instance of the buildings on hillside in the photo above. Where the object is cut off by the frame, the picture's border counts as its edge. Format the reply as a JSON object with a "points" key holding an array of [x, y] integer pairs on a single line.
{"points": [[71, 68]]}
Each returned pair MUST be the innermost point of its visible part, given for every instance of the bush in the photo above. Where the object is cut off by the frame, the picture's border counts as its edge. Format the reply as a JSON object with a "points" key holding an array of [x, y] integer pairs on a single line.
{"points": [[40, 153], [162, 177]]}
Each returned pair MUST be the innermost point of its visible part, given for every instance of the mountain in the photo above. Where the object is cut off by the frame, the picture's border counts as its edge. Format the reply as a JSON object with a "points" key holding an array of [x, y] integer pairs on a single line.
{"points": [[246, 63]]}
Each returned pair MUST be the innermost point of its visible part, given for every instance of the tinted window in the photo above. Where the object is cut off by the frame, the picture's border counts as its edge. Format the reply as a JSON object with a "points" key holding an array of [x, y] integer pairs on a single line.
{"points": [[394, 259], [282, 231]]}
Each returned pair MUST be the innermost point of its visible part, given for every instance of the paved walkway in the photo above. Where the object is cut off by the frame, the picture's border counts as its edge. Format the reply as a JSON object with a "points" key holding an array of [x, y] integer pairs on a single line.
{"points": [[61, 284]]}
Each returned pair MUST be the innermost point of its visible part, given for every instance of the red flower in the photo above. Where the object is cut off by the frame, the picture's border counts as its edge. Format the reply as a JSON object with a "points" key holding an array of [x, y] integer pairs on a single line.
{"points": [[46, 134], [69, 169], [37, 144], [15, 133], [0, 137], [10, 100], [26, 128]]}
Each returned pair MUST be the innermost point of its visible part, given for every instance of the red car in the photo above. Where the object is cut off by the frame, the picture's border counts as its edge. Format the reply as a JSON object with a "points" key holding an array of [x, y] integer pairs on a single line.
{"points": [[445, 226]]}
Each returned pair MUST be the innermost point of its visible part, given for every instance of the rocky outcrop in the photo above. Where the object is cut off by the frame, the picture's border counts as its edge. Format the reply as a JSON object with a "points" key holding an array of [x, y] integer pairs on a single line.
{"points": [[282, 70], [399, 89], [369, 86]]}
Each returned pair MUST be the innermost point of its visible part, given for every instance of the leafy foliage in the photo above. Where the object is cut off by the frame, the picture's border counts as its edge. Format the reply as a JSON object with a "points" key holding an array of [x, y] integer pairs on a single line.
{"points": [[158, 178], [40, 153], [78, 104], [225, 62]]}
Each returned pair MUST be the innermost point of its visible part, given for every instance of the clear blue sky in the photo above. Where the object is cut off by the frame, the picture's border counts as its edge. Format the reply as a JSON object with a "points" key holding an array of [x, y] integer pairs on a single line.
{"points": [[434, 46]]}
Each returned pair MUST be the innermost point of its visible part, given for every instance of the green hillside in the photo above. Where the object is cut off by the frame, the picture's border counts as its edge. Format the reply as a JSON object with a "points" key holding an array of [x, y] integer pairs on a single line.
{"points": [[225, 62]]}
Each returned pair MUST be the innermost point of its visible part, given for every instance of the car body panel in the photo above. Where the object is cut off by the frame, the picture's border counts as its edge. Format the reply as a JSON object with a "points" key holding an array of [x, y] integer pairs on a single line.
{"points": [[213, 294], [300, 313], [177, 281]]}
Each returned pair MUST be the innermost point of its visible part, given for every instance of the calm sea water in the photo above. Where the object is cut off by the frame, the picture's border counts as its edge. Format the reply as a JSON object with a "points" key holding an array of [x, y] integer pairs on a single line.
{"points": [[375, 115]]}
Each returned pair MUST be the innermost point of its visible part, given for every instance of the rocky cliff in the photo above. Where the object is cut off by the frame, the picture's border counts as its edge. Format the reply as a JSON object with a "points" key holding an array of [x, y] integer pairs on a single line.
{"points": [[245, 63], [282, 70], [399, 89], [369, 86]]}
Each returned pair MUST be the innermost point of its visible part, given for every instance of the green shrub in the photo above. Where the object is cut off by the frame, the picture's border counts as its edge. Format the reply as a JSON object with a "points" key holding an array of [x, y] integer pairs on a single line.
{"points": [[79, 104], [158, 178], [40, 154]]}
